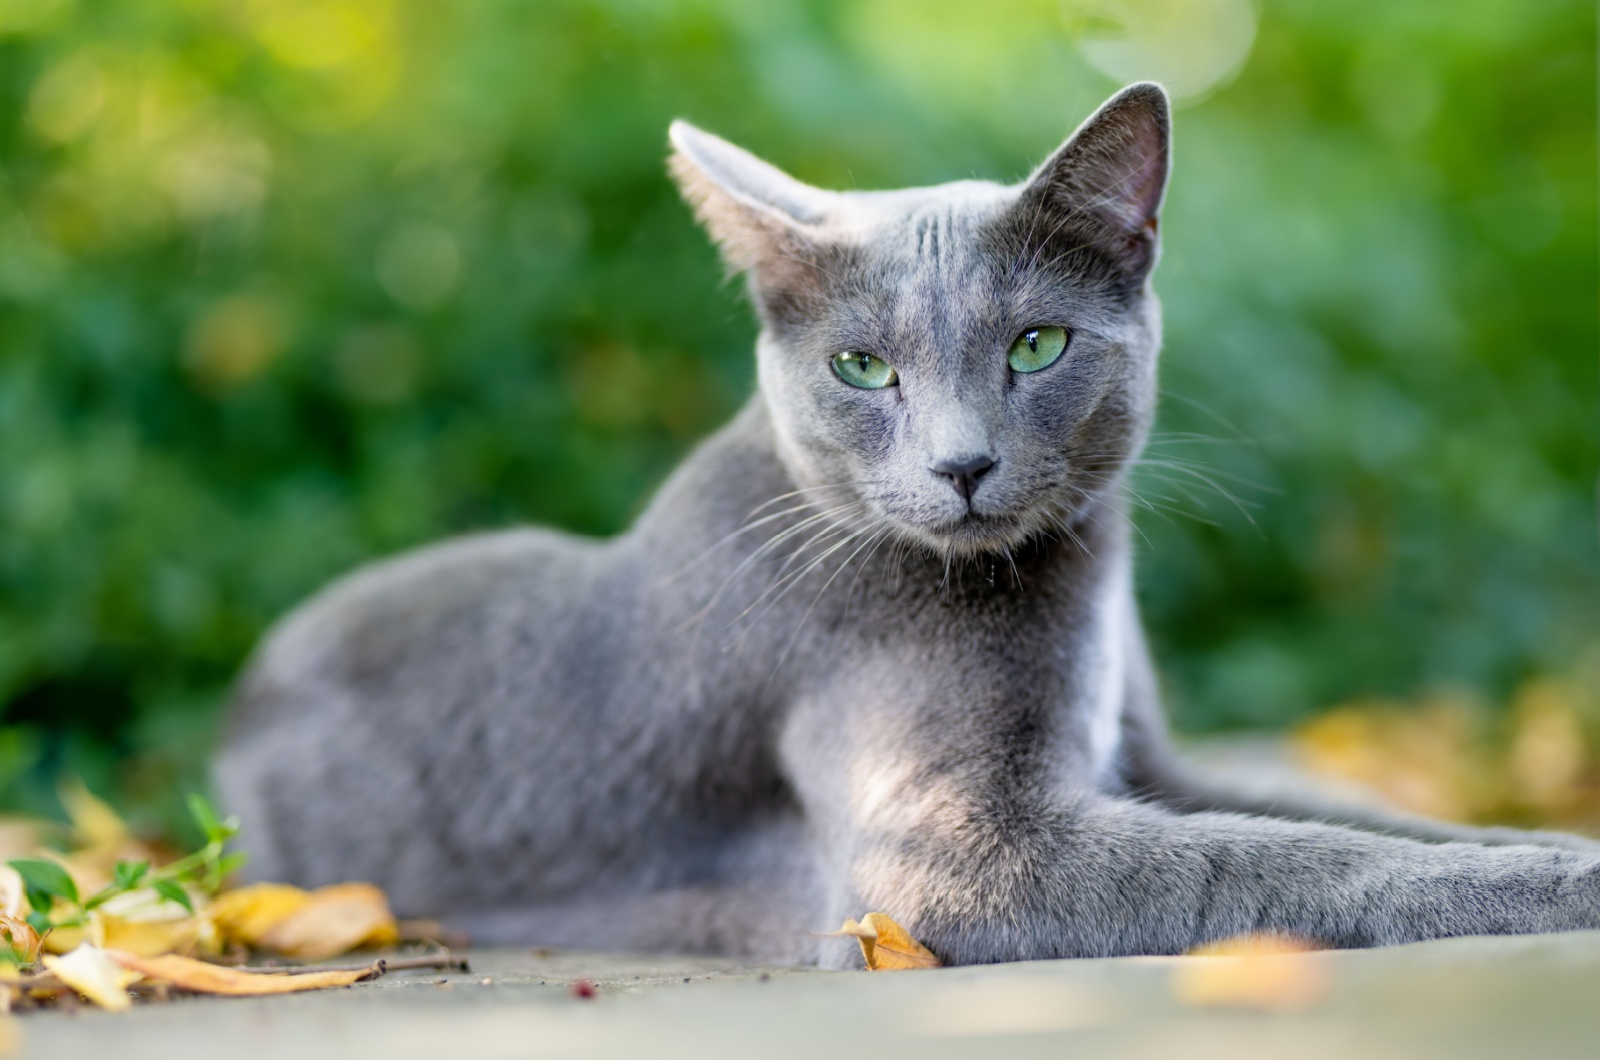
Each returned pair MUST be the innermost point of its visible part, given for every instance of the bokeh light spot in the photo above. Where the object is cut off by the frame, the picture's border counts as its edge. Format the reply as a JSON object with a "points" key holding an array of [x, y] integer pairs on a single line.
{"points": [[1193, 47], [378, 364], [419, 264], [235, 339], [217, 173], [66, 101]]}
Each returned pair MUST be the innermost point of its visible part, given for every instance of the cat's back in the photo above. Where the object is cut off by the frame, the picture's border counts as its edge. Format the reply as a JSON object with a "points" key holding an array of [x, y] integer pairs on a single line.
{"points": [[363, 632]]}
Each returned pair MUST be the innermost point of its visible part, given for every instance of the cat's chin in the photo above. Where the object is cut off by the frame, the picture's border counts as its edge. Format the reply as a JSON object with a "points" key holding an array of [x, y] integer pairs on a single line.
{"points": [[974, 535]]}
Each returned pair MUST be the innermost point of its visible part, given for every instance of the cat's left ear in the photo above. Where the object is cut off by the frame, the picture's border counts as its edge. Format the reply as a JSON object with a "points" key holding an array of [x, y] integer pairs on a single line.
{"points": [[1113, 170]]}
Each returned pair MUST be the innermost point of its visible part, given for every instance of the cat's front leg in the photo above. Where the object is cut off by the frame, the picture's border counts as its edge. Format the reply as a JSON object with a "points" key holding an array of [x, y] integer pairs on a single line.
{"points": [[987, 859], [1185, 789]]}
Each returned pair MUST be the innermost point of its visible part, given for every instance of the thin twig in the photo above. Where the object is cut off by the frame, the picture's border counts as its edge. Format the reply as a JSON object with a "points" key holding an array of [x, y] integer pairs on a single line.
{"points": [[446, 962]]}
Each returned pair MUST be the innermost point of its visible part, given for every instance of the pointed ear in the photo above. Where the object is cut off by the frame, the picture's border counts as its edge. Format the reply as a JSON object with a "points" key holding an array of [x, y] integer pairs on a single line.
{"points": [[757, 214], [1114, 169]]}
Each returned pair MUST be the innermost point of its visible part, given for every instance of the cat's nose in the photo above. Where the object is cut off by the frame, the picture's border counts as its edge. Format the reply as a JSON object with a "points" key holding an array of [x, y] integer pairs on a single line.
{"points": [[964, 474]]}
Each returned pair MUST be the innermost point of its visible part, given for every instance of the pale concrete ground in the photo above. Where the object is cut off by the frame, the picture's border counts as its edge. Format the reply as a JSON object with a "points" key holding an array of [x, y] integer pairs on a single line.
{"points": [[1533, 996], [1518, 997]]}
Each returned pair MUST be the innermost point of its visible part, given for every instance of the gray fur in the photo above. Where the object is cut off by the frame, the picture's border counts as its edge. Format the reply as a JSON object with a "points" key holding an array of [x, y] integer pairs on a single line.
{"points": [[810, 683]]}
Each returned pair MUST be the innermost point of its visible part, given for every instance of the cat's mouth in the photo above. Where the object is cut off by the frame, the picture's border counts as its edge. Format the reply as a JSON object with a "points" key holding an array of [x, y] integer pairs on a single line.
{"points": [[980, 534]]}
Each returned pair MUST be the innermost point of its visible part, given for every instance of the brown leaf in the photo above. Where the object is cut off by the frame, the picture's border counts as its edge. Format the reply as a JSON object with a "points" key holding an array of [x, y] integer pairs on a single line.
{"points": [[20, 938], [247, 914], [886, 946], [186, 973], [337, 919], [307, 925]]}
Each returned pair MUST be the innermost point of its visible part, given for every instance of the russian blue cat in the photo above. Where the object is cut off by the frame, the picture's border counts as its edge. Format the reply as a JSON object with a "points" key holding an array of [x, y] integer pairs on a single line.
{"points": [[874, 645]]}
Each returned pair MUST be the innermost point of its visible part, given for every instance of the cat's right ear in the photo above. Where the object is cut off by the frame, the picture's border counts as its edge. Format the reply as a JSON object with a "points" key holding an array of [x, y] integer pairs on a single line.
{"points": [[765, 221]]}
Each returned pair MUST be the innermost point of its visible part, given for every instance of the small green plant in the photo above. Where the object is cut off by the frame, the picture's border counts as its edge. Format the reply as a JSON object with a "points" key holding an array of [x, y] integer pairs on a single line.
{"points": [[53, 895]]}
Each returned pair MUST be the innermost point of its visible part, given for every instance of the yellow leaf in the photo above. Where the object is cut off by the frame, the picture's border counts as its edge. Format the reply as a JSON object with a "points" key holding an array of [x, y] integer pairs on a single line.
{"points": [[247, 914], [94, 823], [144, 922], [337, 919], [886, 946], [187, 973], [148, 938], [20, 937], [65, 939], [307, 925], [1251, 971], [96, 976]]}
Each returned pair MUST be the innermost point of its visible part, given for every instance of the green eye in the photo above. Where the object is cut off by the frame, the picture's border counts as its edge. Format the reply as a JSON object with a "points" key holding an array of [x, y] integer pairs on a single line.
{"points": [[1037, 348], [864, 370]]}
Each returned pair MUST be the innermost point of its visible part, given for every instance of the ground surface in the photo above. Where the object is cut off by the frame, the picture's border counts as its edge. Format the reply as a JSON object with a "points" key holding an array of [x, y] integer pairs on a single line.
{"points": [[1532, 996]]}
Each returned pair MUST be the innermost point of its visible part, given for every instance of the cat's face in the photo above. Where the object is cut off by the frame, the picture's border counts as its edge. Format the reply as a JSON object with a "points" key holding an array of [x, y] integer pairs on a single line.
{"points": [[965, 366]]}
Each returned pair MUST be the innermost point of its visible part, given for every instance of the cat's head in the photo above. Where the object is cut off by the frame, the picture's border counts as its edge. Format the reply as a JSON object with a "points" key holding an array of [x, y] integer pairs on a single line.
{"points": [[969, 364]]}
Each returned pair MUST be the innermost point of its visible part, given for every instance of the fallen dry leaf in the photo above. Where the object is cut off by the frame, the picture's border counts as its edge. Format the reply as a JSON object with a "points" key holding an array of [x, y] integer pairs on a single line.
{"points": [[1252, 971], [94, 822], [147, 938], [886, 946], [306, 925], [338, 919], [1534, 764], [95, 975], [64, 940], [20, 938], [145, 923], [247, 914], [186, 973]]}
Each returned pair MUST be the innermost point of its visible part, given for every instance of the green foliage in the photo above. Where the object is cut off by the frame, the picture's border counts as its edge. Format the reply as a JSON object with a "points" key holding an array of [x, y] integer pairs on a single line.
{"points": [[54, 900], [285, 286], [43, 882], [127, 875], [216, 830], [172, 892]]}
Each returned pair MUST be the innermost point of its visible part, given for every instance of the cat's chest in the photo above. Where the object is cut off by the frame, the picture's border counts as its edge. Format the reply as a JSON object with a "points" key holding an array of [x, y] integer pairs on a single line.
{"points": [[1051, 661], [1034, 629]]}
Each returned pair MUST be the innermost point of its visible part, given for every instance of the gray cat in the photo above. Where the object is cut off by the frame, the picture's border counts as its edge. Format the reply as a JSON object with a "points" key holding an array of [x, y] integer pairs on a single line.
{"points": [[873, 647]]}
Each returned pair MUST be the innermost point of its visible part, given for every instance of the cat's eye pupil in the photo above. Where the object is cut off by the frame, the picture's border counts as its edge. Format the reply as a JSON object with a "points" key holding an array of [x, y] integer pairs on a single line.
{"points": [[1033, 341]]}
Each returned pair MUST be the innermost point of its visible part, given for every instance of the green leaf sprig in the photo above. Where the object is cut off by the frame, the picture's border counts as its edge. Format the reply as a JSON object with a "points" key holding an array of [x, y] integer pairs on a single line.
{"points": [[53, 895]]}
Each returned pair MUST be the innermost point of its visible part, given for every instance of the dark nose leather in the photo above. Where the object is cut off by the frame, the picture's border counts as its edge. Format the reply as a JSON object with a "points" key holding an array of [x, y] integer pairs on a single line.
{"points": [[964, 474]]}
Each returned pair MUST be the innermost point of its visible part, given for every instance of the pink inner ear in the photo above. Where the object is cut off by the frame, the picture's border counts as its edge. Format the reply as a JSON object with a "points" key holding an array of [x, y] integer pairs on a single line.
{"points": [[1116, 163]]}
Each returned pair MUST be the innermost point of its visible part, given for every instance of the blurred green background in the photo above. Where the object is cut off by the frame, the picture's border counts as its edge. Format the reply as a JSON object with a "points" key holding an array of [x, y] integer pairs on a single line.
{"points": [[288, 284]]}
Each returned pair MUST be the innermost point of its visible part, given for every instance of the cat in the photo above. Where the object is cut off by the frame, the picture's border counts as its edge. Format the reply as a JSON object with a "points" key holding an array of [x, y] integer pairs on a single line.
{"points": [[873, 646]]}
